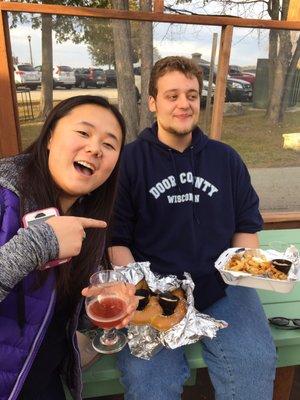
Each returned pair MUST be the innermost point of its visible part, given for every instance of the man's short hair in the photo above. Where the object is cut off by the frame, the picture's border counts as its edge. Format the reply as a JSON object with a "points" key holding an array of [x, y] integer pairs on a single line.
{"points": [[170, 64]]}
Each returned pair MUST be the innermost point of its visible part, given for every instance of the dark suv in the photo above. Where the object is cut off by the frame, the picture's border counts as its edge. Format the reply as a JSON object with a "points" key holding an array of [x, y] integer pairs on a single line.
{"points": [[110, 78], [93, 77], [238, 90]]}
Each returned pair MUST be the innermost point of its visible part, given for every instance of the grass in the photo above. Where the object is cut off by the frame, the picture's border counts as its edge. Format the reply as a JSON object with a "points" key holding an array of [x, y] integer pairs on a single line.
{"points": [[259, 144], [29, 131]]}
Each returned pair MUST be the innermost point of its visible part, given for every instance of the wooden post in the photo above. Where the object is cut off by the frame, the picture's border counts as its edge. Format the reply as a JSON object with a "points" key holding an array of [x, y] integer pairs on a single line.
{"points": [[294, 11], [219, 97], [158, 6], [9, 121], [210, 81], [283, 383]]}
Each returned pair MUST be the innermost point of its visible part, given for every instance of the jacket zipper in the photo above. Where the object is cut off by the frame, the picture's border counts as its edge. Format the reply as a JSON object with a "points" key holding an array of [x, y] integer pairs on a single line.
{"points": [[75, 348], [34, 348]]}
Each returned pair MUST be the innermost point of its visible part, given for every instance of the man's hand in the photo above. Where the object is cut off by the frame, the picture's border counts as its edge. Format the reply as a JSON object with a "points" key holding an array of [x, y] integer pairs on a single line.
{"points": [[120, 255]]}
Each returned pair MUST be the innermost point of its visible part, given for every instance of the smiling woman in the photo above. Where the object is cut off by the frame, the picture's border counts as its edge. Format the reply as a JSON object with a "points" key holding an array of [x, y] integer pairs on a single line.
{"points": [[90, 138], [72, 166]]}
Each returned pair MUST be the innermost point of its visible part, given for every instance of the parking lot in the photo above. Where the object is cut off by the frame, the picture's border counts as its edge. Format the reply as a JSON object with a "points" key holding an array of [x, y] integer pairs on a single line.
{"points": [[59, 94]]}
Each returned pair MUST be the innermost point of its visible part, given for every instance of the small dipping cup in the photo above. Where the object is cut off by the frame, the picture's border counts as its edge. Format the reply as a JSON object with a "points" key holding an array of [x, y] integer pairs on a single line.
{"points": [[282, 265]]}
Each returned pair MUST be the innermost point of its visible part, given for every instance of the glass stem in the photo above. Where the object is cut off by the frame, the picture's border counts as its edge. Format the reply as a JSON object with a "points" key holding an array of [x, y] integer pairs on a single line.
{"points": [[109, 337]]}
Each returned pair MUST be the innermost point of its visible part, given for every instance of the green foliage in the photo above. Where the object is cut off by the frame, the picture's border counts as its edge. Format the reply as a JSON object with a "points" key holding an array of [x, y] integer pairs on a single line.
{"points": [[99, 37], [62, 25], [96, 33]]}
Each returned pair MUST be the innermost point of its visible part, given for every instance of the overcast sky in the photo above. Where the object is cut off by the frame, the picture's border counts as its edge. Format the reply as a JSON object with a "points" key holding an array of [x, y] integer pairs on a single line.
{"points": [[247, 46]]}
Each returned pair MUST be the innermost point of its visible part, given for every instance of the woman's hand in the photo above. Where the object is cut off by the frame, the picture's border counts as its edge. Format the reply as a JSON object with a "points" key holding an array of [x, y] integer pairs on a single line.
{"points": [[126, 290], [70, 233]]}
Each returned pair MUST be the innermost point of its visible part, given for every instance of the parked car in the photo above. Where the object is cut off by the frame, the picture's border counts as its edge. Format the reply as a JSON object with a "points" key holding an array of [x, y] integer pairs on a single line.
{"points": [[204, 92], [111, 81], [26, 75], [63, 76], [93, 77], [137, 70], [238, 90], [110, 78], [236, 72]]}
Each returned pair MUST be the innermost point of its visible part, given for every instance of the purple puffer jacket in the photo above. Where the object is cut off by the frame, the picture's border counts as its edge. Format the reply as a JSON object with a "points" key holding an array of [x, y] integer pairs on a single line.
{"points": [[19, 345]]}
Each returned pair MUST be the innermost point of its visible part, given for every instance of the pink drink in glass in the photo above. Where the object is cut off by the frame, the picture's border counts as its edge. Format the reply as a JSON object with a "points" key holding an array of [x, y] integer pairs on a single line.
{"points": [[107, 307], [107, 311]]}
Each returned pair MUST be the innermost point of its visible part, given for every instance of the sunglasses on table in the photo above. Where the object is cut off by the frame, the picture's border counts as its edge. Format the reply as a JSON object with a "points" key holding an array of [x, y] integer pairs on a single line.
{"points": [[285, 323]]}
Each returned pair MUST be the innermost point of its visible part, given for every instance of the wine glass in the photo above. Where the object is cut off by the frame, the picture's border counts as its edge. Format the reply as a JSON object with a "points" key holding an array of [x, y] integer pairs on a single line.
{"points": [[106, 309]]}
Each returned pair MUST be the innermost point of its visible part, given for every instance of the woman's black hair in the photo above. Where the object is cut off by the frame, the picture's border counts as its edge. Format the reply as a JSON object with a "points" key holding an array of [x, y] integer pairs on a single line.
{"points": [[38, 188]]}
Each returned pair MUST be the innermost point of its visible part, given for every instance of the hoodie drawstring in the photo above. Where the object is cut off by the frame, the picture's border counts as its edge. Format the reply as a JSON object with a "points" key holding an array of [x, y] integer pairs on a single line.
{"points": [[193, 189], [194, 174], [175, 169]]}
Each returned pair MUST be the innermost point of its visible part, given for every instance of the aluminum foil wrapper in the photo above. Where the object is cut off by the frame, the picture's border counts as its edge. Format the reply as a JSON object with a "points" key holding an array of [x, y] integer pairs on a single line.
{"points": [[292, 254], [145, 341]]}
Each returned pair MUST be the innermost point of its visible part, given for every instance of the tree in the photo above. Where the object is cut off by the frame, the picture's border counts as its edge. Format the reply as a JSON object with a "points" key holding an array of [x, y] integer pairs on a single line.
{"points": [[64, 27], [46, 101], [131, 41], [126, 39], [283, 56], [146, 37], [101, 51], [100, 40], [124, 68], [290, 78], [283, 62]]}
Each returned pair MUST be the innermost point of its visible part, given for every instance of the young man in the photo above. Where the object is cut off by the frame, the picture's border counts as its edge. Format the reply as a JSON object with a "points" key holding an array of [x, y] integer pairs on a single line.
{"points": [[182, 200]]}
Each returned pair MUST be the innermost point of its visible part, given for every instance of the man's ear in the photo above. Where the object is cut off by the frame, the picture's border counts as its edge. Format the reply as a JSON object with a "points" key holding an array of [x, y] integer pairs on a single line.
{"points": [[152, 104]]}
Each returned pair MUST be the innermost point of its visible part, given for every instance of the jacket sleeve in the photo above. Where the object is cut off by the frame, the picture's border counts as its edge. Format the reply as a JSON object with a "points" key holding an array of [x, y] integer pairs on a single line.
{"points": [[123, 220], [28, 249], [247, 215]]}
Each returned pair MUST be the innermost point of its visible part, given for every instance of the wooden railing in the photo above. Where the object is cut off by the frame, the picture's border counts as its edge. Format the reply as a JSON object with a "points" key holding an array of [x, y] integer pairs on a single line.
{"points": [[281, 220], [9, 124]]}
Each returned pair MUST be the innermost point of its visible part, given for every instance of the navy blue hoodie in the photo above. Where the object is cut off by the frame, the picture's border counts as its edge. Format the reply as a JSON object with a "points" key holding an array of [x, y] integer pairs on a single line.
{"points": [[179, 210]]}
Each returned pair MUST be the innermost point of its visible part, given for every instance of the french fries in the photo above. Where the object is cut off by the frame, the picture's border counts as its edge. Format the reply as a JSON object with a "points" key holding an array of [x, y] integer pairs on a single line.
{"points": [[254, 265]]}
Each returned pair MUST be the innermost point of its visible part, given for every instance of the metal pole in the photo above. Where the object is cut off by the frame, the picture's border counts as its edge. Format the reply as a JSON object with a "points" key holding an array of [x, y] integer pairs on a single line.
{"points": [[30, 50]]}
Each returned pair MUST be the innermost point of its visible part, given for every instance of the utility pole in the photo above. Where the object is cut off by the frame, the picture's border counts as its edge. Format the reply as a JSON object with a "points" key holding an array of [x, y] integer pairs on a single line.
{"points": [[30, 50]]}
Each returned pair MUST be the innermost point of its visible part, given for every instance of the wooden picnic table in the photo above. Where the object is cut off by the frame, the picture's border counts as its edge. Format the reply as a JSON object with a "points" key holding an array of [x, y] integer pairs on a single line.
{"points": [[103, 377]]}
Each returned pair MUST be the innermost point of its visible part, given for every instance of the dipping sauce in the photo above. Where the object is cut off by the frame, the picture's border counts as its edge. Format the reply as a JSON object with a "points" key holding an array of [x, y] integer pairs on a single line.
{"points": [[282, 265]]}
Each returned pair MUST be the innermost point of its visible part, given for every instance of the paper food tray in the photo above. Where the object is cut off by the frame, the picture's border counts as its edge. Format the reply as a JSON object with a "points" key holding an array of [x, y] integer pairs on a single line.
{"points": [[238, 278]]}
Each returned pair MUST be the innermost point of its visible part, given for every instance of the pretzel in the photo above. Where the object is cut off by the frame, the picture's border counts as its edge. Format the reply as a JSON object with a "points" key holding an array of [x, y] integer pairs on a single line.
{"points": [[141, 285], [166, 322], [153, 315], [145, 316]]}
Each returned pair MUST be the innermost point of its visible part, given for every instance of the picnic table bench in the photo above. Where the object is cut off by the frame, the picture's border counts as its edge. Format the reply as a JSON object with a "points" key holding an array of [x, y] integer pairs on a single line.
{"points": [[103, 377]]}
